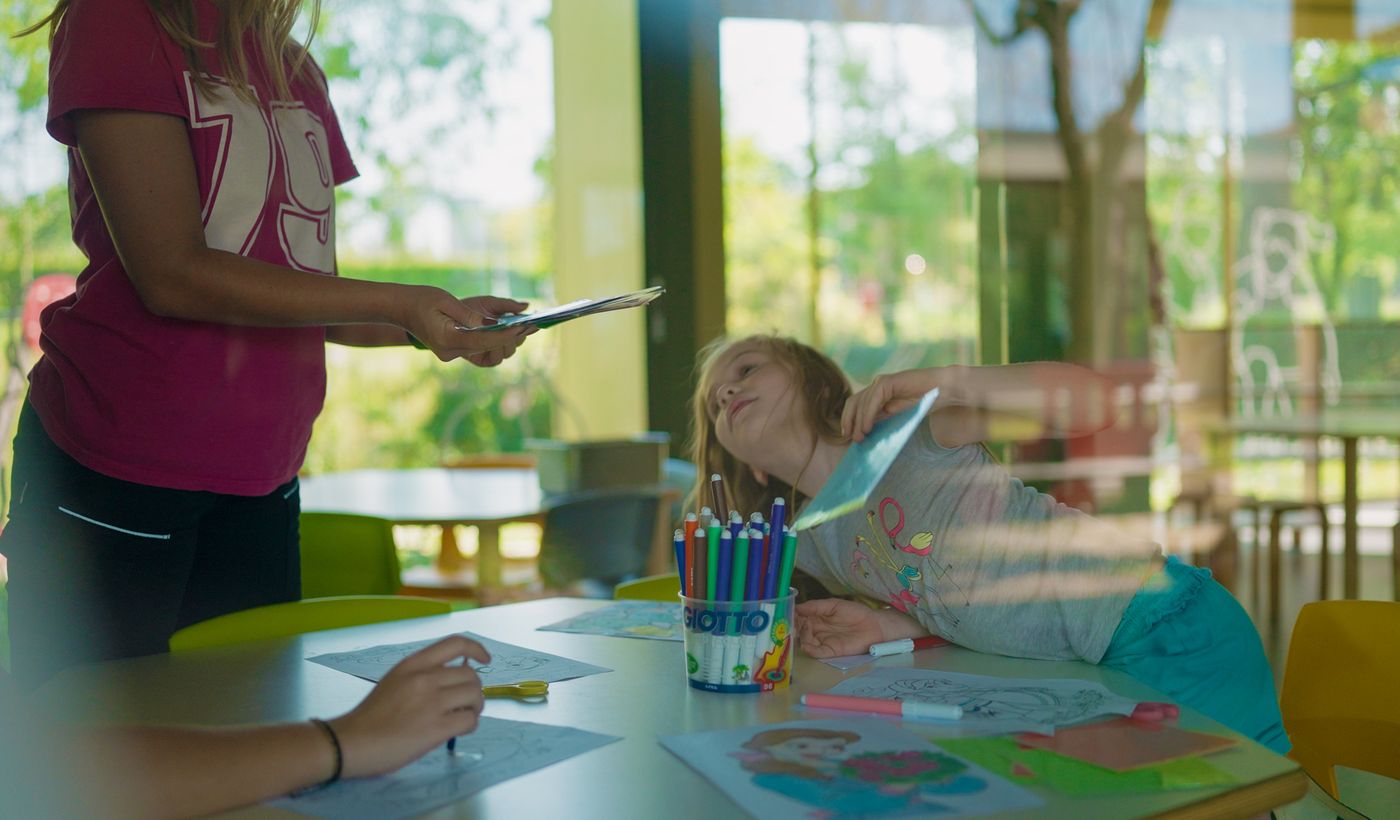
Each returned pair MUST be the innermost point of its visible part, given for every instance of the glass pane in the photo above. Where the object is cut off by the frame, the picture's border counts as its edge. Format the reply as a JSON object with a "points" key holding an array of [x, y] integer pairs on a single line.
{"points": [[449, 111], [1194, 198], [850, 186]]}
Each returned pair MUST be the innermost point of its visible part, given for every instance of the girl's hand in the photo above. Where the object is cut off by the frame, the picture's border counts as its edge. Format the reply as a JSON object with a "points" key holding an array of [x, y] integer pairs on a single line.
{"points": [[434, 316], [833, 627], [886, 395], [419, 704]]}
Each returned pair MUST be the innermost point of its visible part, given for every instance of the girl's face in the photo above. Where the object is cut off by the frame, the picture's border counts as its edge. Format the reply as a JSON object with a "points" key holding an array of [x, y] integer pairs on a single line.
{"points": [[753, 404], [814, 752]]}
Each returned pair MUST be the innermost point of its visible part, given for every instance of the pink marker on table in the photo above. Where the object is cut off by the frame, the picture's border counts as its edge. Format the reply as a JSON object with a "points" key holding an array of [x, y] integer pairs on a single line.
{"points": [[884, 706]]}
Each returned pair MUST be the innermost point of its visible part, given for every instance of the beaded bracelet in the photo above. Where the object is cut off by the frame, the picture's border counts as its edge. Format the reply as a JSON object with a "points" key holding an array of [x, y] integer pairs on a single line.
{"points": [[339, 760]]}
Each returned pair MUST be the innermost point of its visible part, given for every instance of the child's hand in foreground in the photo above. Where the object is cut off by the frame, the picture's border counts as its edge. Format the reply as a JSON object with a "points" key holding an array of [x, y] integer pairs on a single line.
{"points": [[832, 627], [424, 700]]}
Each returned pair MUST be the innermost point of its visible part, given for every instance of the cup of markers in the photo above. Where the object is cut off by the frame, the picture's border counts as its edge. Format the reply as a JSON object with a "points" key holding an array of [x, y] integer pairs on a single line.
{"points": [[737, 601], [738, 646]]}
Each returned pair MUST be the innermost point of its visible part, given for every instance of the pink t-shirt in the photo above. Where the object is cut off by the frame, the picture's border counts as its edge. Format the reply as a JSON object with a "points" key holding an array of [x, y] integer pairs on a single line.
{"points": [[169, 402]]}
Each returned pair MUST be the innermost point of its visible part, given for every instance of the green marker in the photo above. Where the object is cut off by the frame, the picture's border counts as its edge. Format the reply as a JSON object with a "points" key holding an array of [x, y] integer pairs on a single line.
{"points": [[712, 581], [789, 556], [739, 573]]}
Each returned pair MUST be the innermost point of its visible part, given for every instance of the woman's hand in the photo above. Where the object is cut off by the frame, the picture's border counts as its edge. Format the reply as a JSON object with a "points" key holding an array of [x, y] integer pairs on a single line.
{"points": [[434, 315], [419, 704], [888, 394]]}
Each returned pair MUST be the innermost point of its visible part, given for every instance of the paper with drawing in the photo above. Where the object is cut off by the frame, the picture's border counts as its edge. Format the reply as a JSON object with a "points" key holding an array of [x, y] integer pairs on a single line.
{"points": [[1010, 704], [497, 751], [843, 768], [509, 663], [657, 620], [864, 464]]}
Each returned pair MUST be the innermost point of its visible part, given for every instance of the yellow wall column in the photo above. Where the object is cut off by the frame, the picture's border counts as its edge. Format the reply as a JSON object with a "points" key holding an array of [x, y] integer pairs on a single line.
{"points": [[601, 379]]}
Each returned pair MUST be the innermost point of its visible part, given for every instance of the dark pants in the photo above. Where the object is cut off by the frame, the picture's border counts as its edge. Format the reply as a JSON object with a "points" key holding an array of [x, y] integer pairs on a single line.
{"points": [[102, 568]]}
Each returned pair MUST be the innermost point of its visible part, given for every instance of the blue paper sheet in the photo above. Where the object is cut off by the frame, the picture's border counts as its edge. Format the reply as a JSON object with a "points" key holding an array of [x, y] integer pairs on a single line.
{"points": [[864, 465]]}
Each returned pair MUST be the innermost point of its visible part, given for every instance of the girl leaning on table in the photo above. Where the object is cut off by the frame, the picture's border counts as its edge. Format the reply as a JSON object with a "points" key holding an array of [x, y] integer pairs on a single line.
{"points": [[156, 458], [953, 545]]}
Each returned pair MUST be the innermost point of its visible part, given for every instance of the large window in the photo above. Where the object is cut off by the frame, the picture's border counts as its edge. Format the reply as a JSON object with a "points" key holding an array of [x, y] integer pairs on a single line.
{"points": [[449, 111], [1122, 184], [850, 168]]}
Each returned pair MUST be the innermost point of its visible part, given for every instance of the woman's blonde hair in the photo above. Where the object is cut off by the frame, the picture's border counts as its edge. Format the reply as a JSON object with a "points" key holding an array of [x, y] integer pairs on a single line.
{"points": [[822, 390], [269, 22]]}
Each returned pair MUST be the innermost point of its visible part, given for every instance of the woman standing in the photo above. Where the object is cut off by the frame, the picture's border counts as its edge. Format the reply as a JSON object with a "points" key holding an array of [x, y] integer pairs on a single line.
{"points": [[156, 458]]}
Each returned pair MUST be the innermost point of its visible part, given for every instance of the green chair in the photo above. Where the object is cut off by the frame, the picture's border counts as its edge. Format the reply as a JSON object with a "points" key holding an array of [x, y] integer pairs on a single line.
{"points": [[344, 554], [306, 615], [651, 588]]}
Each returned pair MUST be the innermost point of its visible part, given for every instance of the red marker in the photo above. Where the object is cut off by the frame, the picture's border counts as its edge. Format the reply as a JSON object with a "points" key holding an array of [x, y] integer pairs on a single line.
{"points": [[905, 645]]}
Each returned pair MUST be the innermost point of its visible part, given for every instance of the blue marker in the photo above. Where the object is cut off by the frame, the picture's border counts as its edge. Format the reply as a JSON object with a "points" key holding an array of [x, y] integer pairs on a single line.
{"points": [[679, 538], [755, 565]]}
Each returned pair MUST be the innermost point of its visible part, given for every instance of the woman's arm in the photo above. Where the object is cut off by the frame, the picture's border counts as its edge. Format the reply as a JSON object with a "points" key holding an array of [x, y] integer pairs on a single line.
{"points": [[144, 176], [996, 402]]}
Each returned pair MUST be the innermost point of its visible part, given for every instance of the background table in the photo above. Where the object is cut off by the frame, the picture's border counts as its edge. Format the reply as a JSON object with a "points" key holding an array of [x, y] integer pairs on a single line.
{"points": [[645, 697], [1347, 426], [482, 497]]}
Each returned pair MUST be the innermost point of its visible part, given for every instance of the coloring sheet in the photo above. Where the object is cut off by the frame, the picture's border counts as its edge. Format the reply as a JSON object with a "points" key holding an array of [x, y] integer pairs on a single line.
{"points": [[509, 663], [864, 464], [848, 662], [843, 768], [1009, 704], [1036, 767], [497, 751], [658, 620]]}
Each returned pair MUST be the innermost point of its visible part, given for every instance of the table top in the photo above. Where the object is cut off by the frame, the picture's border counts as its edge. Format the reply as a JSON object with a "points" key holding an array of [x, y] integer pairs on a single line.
{"points": [[643, 698], [428, 494], [1339, 423]]}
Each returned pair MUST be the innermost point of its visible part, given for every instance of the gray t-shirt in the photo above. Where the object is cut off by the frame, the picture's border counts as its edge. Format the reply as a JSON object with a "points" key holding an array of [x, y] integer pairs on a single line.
{"points": [[951, 538]]}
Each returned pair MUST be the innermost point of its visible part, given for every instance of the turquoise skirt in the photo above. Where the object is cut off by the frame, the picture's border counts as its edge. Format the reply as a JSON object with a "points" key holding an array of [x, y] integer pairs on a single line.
{"points": [[1187, 637]]}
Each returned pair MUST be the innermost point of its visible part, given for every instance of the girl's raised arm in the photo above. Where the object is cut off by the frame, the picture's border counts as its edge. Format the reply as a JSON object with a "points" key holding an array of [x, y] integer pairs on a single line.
{"points": [[998, 402]]}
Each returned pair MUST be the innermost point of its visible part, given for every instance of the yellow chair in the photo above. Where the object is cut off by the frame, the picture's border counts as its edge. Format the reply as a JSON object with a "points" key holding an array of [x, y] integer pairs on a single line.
{"points": [[1339, 700], [651, 588], [306, 615], [345, 554]]}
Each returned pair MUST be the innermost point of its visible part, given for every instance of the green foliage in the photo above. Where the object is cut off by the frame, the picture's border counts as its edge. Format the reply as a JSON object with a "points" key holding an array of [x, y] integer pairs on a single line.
{"points": [[394, 407], [384, 407], [883, 194], [1348, 109]]}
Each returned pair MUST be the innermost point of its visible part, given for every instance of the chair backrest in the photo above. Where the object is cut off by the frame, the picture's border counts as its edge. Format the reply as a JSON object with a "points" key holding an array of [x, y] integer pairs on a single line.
{"points": [[1340, 687], [344, 554], [603, 535], [663, 587], [679, 475], [306, 615]]}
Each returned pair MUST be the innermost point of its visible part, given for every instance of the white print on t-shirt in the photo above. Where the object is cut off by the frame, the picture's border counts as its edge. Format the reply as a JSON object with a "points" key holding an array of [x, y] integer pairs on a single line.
{"points": [[250, 145]]}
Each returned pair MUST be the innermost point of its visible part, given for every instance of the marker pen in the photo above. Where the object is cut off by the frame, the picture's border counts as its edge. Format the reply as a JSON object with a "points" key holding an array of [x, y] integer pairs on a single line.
{"points": [[904, 645], [884, 706]]}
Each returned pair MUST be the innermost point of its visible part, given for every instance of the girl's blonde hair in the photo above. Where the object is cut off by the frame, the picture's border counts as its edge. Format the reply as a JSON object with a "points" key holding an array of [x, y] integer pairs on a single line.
{"points": [[822, 390], [269, 22]]}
